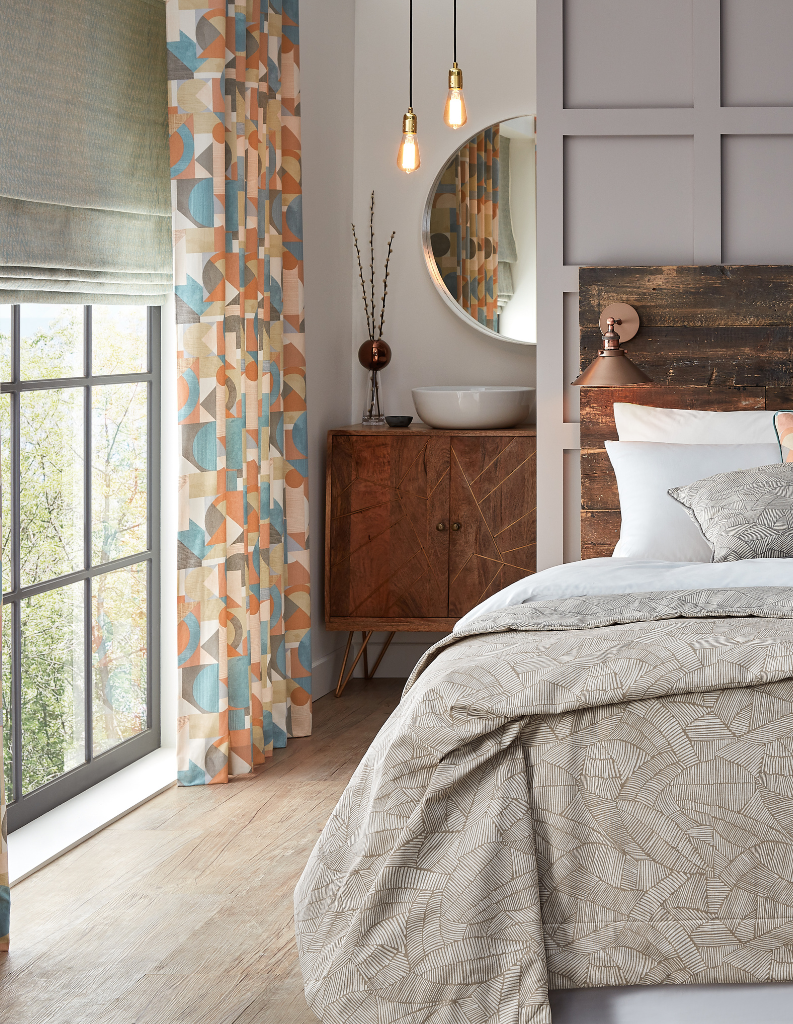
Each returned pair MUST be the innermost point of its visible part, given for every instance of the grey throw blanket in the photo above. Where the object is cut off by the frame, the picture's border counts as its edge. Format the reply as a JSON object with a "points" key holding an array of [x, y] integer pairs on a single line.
{"points": [[595, 791]]}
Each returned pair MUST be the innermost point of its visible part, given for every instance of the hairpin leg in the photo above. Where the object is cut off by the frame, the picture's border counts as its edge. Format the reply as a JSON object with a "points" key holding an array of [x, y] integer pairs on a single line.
{"points": [[365, 658], [343, 680], [380, 656], [339, 686]]}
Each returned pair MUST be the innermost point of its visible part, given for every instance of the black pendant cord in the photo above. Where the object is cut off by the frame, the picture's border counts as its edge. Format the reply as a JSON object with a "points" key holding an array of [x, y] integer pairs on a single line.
{"points": [[455, 31], [411, 56]]}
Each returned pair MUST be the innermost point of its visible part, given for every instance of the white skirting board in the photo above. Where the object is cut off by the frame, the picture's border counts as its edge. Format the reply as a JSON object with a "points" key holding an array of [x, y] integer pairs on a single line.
{"points": [[399, 661], [675, 1004]]}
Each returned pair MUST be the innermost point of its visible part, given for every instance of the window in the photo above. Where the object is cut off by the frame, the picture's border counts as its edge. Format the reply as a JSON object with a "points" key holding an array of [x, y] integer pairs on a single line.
{"points": [[79, 424]]}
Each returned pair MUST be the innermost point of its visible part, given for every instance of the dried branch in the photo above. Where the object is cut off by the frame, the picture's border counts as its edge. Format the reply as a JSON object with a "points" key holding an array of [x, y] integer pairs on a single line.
{"points": [[385, 283], [369, 322], [371, 251]]}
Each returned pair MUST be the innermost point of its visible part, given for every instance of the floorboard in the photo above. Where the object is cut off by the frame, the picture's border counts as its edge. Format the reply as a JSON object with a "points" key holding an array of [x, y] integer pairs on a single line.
{"points": [[182, 910]]}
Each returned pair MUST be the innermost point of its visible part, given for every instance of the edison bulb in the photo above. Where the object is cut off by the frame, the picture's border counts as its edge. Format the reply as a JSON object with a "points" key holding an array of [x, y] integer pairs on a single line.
{"points": [[408, 158], [454, 113]]}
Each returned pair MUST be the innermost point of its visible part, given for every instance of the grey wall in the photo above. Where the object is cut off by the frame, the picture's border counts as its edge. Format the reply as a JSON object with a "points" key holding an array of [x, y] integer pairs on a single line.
{"points": [[327, 35], [354, 56], [664, 136]]}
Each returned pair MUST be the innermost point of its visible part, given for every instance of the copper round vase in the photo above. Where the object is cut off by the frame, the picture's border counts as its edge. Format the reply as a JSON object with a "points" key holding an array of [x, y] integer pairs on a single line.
{"points": [[374, 355]]}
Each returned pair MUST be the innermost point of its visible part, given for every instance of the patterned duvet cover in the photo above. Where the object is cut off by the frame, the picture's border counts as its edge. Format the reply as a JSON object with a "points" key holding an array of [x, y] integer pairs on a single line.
{"points": [[571, 794]]}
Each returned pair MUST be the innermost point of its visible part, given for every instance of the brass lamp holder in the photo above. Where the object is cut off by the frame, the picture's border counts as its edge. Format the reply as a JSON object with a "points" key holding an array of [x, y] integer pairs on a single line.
{"points": [[455, 76], [611, 367]]}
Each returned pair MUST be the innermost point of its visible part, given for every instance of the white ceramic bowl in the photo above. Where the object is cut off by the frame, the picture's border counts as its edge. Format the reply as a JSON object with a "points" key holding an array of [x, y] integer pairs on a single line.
{"points": [[473, 407]]}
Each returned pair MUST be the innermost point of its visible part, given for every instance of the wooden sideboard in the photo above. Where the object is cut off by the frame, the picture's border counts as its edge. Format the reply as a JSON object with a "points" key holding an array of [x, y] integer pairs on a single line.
{"points": [[423, 524]]}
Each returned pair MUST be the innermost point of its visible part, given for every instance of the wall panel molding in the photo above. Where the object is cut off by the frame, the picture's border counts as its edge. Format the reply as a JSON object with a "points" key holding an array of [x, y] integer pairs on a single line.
{"points": [[739, 220]]}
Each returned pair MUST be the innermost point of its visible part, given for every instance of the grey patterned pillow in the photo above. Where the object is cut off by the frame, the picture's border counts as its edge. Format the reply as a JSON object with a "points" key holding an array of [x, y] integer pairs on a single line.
{"points": [[747, 513]]}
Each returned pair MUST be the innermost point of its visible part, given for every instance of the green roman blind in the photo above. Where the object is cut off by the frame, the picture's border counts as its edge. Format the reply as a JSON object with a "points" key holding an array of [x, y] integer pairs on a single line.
{"points": [[85, 207]]}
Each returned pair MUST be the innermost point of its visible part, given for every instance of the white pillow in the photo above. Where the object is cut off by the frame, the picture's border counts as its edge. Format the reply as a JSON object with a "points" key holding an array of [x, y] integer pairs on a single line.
{"points": [[693, 426], [654, 525]]}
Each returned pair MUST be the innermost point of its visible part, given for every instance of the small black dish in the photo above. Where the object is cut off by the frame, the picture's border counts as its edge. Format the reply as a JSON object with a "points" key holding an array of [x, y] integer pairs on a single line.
{"points": [[399, 421]]}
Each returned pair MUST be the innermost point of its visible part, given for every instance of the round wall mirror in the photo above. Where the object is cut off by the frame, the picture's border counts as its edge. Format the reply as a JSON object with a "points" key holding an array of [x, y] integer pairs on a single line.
{"points": [[479, 231]]}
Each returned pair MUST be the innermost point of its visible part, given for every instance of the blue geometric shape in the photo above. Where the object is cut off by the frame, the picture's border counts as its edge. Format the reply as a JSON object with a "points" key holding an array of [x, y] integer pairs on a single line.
{"points": [[236, 719], [193, 394], [239, 32], [192, 293], [185, 50], [201, 202], [186, 136], [275, 614], [233, 189], [206, 689], [279, 736], [194, 635], [304, 655], [239, 692], [193, 776], [301, 465], [205, 446], [5, 910], [194, 539], [300, 434], [234, 434], [294, 221]]}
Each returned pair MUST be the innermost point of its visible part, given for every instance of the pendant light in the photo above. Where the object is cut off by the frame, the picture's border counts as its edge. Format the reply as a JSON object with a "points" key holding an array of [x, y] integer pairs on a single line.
{"points": [[408, 157], [454, 113]]}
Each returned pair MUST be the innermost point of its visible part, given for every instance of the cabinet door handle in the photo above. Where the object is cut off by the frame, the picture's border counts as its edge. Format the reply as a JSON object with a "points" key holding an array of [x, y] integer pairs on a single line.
{"points": [[441, 526], [455, 526]]}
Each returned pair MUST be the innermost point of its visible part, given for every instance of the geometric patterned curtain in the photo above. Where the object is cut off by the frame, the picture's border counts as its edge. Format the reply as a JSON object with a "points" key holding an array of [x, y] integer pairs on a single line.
{"points": [[243, 597], [464, 226]]}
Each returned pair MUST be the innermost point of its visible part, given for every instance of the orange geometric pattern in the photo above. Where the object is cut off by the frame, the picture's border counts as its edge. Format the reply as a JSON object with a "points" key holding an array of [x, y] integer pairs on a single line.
{"points": [[243, 599]]}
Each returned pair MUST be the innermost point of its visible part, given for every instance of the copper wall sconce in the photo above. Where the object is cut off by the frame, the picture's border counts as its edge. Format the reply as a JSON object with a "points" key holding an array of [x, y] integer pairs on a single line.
{"points": [[611, 368]]}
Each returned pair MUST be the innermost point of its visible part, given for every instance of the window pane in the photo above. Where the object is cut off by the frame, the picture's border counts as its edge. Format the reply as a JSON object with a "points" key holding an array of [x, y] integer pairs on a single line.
{"points": [[118, 629], [118, 340], [51, 342], [5, 343], [118, 471], [51, 485], [5, 488], [53, 685], [7, 718]]}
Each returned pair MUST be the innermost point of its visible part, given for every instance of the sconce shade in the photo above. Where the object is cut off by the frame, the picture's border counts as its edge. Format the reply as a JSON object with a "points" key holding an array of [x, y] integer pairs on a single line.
{"points": [[611, 369]]}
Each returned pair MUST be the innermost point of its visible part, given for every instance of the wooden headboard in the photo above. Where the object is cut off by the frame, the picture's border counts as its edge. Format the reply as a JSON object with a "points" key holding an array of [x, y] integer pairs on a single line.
{"points": [[717, 338]]}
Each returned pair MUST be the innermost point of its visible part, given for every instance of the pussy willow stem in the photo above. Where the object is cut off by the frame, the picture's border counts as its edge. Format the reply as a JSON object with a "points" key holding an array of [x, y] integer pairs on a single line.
{"points": [[385, 283], [371, 252], [369, 322]]}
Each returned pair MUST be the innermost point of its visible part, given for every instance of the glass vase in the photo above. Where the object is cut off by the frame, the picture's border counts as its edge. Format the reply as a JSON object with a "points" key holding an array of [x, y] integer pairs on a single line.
{"points": [[373, 410]]}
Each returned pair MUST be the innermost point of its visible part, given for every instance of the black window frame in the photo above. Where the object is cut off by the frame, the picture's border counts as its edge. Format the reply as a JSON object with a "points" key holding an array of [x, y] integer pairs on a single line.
{"points": [[23, 809]]}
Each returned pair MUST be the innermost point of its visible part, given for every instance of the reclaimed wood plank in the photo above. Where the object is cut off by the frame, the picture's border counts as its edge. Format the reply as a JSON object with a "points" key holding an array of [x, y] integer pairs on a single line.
{"points": [[691, 297], [597, 405], [779, 398], [600, 532], [706, 326]]}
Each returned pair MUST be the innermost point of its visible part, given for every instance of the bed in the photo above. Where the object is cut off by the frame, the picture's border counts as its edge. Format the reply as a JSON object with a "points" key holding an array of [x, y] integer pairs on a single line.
{"points": [[586, 790]]}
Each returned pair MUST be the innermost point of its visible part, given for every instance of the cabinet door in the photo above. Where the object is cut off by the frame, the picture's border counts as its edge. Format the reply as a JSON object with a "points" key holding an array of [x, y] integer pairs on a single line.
{"points": [[494, 499], [387, 557]]}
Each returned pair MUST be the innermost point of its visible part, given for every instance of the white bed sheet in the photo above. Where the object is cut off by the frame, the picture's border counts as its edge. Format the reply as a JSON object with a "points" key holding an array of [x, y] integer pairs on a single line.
{"points": [[635, 576], [696, 1004]]}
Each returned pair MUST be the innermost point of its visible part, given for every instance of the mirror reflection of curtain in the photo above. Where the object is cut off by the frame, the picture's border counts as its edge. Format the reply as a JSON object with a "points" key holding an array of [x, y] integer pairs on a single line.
{"points": [[507, 249], [464, 227]]}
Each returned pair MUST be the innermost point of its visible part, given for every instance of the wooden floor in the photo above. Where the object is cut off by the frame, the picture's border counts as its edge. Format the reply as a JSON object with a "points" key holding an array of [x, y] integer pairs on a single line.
{"points": [[182, 910]]}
